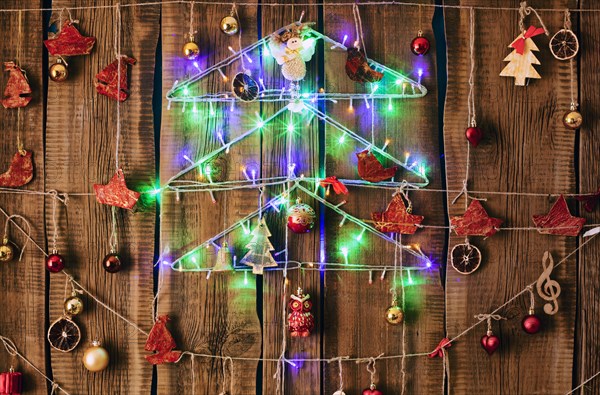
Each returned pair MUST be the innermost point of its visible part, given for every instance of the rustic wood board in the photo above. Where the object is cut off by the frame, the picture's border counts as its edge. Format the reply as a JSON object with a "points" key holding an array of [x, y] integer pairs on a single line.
{"points": [[526, 149], [24, 283], [587, 335], [80, 151], [303, 143], [354, 309], [219, 316]]}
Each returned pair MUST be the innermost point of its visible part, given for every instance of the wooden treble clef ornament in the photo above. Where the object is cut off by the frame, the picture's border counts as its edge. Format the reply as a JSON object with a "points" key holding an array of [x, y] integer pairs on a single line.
{"points": [[547, 288]]}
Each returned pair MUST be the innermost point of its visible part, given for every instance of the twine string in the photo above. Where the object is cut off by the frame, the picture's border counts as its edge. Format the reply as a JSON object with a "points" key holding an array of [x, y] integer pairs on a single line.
{"points": [[524, 10]]}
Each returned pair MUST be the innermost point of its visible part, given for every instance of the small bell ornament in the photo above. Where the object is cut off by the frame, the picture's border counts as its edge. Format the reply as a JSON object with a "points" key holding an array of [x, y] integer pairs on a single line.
{"points": [[95, 358], [58, 72], [301, 217], [112, 262], [394, 314], [11, 382], [420, 45], [224, 259]]}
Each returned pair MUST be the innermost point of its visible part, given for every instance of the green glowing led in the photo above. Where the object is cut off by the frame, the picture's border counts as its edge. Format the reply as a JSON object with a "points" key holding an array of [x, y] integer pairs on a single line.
{"points": [[342, 139], [290, 127], [399, 81], [186, 91]]}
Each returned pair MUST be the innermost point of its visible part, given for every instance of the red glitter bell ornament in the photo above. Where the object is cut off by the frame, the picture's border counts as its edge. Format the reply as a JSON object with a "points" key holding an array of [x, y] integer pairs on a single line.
{"points": [[372, 390], [11, 382], [55, 262], [112, 262], [301, 217], [531, 323], [420, 45]]}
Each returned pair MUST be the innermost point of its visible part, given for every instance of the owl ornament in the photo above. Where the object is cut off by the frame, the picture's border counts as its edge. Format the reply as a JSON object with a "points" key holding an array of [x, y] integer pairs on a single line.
{"points": [[300, 320], [292, 51]]}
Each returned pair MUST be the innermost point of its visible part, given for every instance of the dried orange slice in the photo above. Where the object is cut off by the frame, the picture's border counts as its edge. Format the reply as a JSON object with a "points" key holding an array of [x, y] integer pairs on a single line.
{"points": [[465, 258], [64, 334], [564, 44], [244, 87]]}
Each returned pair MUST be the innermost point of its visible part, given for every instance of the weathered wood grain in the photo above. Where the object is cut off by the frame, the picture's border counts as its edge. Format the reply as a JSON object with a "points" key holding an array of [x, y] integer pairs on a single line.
{"points": [[24, 283], [587, 335], [525, 149], [354, 309], [218, 316], [80, 151], [303, 146]]}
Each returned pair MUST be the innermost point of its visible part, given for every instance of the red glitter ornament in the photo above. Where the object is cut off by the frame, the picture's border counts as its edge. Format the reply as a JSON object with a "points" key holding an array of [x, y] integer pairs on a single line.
{"points": [[11, 383], [475, 222], [371, 391], [590, 201], [17, 92], [559, 220], [490, 342], [370, 169], [162, 343], [55, 263], [420, 45], [301, 322], [301, 217], [108, 83], [338, 186], [116, 193], [111, 263], [20, 171], [474, 135], [531, 323], [358, 69], [397, 218], [69, 42]]}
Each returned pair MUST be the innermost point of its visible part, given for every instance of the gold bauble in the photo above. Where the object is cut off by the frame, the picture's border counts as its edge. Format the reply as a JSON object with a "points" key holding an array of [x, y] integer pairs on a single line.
{"points": [[6, 253], [95, 358], [572, 119], [191, 50], [73, 305], [394, 315], [58, 72], [229, 25]]}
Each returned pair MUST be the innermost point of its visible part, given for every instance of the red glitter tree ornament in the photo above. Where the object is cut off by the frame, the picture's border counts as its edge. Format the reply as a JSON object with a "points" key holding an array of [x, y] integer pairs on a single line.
{"points": [[17, 91], [370, 169], [116, 193], [559, 220], [475, 222], [162, 343], [20, 171], [69, 42], [108, 83], [358, 69], [589, 201], [397, 218]]}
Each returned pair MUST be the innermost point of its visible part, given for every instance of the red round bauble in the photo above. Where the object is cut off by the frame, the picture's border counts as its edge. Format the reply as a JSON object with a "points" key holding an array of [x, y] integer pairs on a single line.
{"points": [[420, 45], [111, 263], [371, 391], [490, 342], [301, 217], [55, 263], [474, 135], [531, 324]]}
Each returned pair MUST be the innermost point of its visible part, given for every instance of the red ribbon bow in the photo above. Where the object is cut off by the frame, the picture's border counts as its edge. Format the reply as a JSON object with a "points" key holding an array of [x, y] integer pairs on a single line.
{"points": [[519, 44], [338, 186], [439, 350]]}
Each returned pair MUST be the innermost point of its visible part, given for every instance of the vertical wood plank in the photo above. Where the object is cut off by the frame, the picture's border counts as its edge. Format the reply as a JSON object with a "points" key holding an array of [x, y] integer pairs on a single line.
{"points": [[80, 151], [354, 309], [526, 149], [24, 283], [587, 335], [303, 145], [216, 316]]}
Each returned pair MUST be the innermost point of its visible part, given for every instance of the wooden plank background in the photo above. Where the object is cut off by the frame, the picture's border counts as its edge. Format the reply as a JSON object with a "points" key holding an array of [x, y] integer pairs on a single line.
{"points": [[71, 131]]}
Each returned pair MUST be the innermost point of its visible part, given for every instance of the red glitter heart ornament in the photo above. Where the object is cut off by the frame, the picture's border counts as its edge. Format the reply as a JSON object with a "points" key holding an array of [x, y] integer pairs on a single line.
{"points": [[70, 42], [162, 343], [490, 342], [396, 218], [559, 220], [370, 169], [116, 193], [372, 391], [475, 222]]}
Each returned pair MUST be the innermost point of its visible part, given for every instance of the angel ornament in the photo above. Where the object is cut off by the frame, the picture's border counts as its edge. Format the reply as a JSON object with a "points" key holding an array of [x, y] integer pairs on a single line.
{"points": [[292, 51]]}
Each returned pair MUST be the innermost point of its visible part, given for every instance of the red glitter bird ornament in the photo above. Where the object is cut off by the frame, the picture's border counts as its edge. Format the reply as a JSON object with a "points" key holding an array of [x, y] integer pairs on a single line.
{"points": [[370, 169], [589, 201], [397, 218], [108, 83], [475, 222], [162, 343], [20, 171], [69, 42], [559, 220], [17, 91], [358, 69], [116, 193], [301, 322]]}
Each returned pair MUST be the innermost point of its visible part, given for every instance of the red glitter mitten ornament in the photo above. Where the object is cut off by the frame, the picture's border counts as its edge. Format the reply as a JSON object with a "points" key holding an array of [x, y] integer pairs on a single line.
{"points": [[116, 193]]}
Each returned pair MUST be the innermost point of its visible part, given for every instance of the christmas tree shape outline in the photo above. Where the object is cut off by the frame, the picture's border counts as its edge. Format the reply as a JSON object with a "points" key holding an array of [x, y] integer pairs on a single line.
{"points": [[260, 247], [520, 66]]}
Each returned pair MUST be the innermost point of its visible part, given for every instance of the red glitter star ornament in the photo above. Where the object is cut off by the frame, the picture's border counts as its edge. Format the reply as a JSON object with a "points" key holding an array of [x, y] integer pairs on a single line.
{"points": [[70, 42], [109, 84], [590, 201], [370, 169], [396, 218], [559, 220], [475, 222], [161, 341], [116, 193]]}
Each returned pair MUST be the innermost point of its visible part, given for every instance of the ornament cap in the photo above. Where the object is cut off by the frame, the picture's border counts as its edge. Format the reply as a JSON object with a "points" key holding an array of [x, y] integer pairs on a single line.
{"points": [[531, 311], [372, 386], [96, 343], [490, 333]]}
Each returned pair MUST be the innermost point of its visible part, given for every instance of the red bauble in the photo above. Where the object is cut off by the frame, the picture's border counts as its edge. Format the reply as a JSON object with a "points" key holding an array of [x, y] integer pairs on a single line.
{"points": [[531, 324], [371, 391], [111, 263], [301, 217], [55, 263], [420, 45], [490, 342], [474, 135]]}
